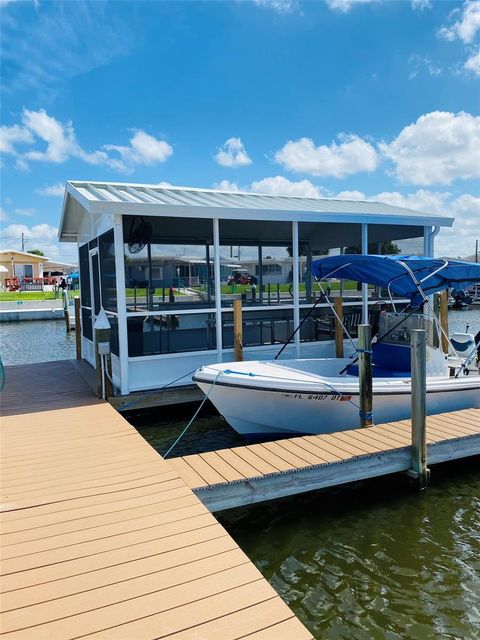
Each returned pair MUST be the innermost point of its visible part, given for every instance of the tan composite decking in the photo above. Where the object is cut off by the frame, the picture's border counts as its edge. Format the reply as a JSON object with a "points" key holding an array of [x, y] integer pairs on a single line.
{"points": [[102, 538], [234, 477]]}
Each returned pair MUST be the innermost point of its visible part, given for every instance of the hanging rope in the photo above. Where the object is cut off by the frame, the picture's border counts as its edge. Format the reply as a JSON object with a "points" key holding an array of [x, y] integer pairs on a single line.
{"points": [[297, 329], [150, 393], [193, 418]]}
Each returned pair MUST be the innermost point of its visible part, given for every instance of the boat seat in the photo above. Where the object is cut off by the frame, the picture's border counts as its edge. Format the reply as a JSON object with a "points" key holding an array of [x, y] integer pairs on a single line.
{"points": [[463, 343], [388, 361], [378, 372]]}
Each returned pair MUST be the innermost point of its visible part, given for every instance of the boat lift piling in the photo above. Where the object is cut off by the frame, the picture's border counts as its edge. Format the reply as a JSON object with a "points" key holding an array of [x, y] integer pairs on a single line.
{"points": [[238, 330], [419, 470], [66, 311], [365, 374], [338, 305], [444, 319], [78, 329]]}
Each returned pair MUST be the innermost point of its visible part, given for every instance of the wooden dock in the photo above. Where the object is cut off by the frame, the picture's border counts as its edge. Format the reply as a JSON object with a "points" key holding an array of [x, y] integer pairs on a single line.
{"points": [[102, 538], [234, 477]]}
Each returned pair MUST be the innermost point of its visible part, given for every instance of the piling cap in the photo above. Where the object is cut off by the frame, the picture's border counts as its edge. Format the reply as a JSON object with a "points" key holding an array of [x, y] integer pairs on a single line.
{"points": [[102, 321]]}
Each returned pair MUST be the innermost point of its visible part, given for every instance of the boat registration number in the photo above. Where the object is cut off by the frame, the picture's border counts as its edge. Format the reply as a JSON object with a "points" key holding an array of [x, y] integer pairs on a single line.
{"points": [[317, 396]]}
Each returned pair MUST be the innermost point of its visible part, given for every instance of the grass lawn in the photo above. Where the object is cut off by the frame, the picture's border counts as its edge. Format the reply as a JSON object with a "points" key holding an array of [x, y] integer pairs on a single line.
{"points": [[285, 287], [14, 296], [158, 292]]}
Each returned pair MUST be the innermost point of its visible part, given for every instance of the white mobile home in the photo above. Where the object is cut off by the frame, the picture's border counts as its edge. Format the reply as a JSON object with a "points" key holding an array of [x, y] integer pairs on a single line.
{"points": [[158, 260]]}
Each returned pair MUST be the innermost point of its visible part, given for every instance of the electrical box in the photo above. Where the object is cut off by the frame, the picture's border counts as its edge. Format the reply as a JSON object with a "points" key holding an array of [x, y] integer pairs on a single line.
{"points": [[103, 348]]}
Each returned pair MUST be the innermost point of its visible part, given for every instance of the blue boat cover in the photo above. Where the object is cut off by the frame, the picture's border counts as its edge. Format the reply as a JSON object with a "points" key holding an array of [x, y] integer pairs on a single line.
{"points": [[433, 274]]}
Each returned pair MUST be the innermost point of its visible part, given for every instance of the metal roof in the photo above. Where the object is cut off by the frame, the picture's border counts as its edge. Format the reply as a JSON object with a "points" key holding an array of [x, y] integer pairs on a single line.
{"points": [[156, 200]]}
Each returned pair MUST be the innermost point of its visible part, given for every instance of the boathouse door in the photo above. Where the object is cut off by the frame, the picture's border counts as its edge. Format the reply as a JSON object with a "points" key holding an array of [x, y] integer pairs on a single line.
{"points": [[95, 291]]}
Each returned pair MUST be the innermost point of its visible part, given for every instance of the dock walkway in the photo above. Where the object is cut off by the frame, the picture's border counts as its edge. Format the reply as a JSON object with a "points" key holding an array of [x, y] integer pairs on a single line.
{"points": [[234, 477], [102, 538]]}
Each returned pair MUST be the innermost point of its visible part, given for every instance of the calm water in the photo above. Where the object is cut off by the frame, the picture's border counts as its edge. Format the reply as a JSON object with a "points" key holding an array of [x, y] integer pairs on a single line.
{"points": [[370, 561], [35, 341]]}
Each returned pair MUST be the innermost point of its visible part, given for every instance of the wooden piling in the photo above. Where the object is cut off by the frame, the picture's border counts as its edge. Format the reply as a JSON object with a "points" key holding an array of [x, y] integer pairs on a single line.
{"points": [[444, 319], [78, 329], [436, 310], [238, 329], [365, 374], [66, 311], [338, 306], [419, 470]]}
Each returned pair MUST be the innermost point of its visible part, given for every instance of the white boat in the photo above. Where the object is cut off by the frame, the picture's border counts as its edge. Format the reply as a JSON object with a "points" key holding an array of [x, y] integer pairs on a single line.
{"points": [[272, 399]]}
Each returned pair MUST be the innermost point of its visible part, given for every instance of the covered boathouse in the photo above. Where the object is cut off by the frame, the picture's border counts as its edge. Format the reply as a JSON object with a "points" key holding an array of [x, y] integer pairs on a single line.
{"points": [[166, 264]]}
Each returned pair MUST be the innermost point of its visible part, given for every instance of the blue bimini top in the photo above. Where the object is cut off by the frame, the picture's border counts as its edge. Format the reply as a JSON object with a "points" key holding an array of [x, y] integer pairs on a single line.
{"points": [[405, 276]]}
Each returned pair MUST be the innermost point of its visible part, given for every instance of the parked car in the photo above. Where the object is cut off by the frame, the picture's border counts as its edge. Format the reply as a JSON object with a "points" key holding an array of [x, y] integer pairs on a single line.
{"points": [[241, 276]]}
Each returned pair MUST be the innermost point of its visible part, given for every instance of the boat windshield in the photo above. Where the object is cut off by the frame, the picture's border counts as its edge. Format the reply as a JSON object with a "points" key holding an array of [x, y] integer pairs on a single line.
{"points": [[396, 327]]}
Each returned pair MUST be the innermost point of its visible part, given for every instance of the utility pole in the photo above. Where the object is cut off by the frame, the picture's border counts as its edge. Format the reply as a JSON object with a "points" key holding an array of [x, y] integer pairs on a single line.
{"points": [[23, 242], [476, 250]]}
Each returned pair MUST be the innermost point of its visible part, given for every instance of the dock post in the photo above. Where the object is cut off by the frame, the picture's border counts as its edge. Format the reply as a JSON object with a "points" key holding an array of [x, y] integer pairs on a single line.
{"points": [[338, 306], [436, 338], [238, 329], [365, 374], [66, 311], [444, 319], [419, 470], [78, 329], [102, 330]]}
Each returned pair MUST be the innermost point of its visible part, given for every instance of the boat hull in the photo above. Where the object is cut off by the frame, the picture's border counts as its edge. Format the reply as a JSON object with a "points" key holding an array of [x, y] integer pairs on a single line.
{"points": [[262, 413]]}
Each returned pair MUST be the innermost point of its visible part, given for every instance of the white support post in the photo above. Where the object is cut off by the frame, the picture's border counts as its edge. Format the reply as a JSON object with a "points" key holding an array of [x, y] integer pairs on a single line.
{"points": [[427, 249], [364, 285], [296, 287], [218, 289], [121, 303]]}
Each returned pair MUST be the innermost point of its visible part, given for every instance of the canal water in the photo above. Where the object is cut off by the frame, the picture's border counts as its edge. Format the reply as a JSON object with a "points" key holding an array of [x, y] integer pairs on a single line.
{"points": [[367, 561]]}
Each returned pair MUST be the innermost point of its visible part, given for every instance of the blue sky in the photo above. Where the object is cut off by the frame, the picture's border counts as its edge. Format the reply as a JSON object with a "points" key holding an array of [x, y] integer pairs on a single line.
{"points": [[360, 99]]}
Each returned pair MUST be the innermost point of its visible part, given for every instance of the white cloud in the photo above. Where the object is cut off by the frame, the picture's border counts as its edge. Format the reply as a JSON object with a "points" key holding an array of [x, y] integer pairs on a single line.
{"points": [[438, 148], [473, 63], [144, 149], [40, 236], [233, 154], [344, 6], [467, 24], [226, 185], [464, 208], [276, 185], [12, 135], [63, 41], [351, 195], [280, 6], [3, 215], [26, 213], [419, 63], [62, 144], [53, 190], [352, 155], [421, 5], [279, 185]]}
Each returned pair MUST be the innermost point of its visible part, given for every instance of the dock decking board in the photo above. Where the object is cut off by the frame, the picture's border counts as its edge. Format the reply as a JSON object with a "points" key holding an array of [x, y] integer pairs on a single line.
{"points": [[313, 462], [102, 538]]}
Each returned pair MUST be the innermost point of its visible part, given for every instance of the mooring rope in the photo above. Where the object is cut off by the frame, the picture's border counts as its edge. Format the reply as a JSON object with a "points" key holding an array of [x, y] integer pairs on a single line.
{"points": [[153, 391], [192, 418]]}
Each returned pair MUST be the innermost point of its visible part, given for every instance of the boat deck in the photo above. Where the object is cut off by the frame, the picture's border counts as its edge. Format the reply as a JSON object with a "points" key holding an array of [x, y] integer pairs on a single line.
{"points": [[233, 477], [102, 538]]}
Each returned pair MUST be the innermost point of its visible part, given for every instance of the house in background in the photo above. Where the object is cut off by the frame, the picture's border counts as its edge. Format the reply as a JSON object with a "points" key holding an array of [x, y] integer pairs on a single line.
{"points": [[21, 270], [55, 268]]}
